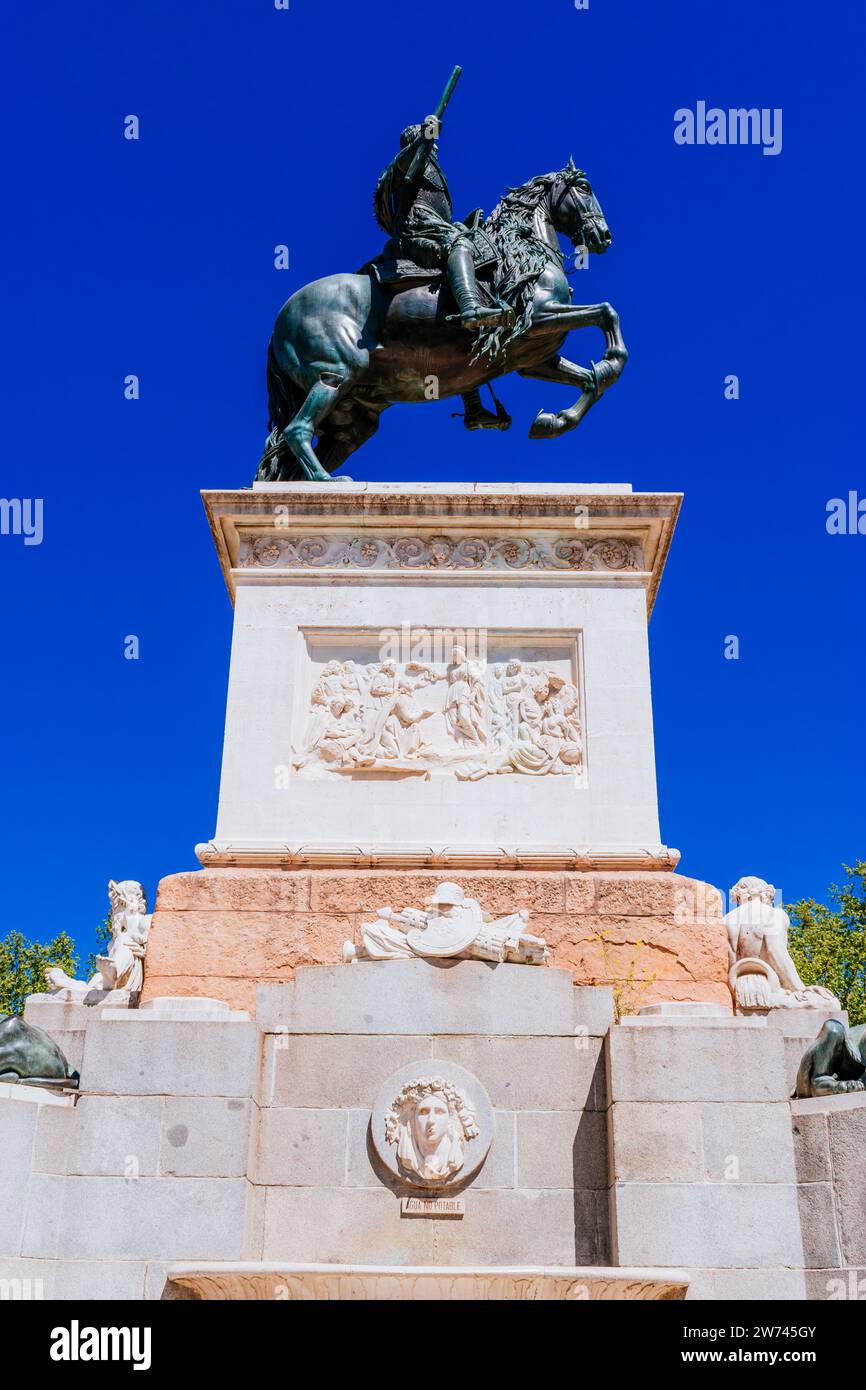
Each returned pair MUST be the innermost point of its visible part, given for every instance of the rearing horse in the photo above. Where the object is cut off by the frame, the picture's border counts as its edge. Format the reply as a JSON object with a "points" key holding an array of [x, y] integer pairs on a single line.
{"points": [[346, 347]]}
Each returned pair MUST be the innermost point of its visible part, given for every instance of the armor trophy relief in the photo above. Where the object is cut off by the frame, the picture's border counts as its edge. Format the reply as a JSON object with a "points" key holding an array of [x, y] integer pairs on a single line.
{"points": [[437, 1017]]}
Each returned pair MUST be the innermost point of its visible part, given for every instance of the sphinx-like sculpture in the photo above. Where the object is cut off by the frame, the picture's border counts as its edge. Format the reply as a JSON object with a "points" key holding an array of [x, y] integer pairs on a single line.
{"points": [[451, 925], [120, 973], [762, 974], [29, 1056], [430, 1122], [834, 1064]]}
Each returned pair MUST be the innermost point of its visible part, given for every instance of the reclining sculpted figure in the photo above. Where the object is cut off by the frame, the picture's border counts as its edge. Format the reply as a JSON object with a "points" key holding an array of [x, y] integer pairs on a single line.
{"points": [[120, 973], [762, 974]]}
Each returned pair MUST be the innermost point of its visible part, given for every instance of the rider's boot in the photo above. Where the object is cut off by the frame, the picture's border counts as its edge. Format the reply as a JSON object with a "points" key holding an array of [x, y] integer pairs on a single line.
{"points": [[477, 417], [464, 287]]}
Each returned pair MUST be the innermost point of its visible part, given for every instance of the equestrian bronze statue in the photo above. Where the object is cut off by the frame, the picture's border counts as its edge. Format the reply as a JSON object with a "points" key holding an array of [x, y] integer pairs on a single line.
{"points": [[446, 308]]}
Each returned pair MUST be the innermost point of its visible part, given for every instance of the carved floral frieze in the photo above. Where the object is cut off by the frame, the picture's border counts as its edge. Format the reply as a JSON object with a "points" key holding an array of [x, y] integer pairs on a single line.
{"points": [[439, 552]]}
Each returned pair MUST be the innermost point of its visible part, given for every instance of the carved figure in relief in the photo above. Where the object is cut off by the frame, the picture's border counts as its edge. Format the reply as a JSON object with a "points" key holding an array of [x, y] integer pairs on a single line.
{"points": [[335, 704], [497, 709], [383, 681], [395, 731], [339, 686], [560, 724], [466, 699], [512, 690], [548, 738], [401, 735], [381, 688], [506, 718], [341, 742], [386, 938], [431, 1121], [451, 925]]}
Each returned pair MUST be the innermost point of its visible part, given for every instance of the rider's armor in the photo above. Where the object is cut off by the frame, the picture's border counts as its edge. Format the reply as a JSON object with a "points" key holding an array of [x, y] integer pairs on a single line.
{"points": [[429, 189], [418, 216], [433, 190]]}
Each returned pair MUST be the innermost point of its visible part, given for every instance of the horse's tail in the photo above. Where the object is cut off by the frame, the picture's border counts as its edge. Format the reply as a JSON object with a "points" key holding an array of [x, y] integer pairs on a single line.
{"points": [[278, 463], [284, 401]]}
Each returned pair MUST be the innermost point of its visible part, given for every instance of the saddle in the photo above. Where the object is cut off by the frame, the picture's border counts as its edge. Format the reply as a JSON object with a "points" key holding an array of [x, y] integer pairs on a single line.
{"points": [[398, 272]]}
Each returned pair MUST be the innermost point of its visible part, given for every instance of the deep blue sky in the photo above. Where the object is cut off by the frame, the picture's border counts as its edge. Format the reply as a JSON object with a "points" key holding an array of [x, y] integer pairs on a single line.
{"points": [[261, 126]]}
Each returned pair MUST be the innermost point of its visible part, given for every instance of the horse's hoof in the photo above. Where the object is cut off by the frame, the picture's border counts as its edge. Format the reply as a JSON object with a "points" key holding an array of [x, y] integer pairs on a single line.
{"points": [[545, 426]]}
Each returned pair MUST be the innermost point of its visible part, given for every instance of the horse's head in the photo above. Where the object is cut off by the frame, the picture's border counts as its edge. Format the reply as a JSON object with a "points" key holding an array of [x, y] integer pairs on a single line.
{"points": [[576, 213]]}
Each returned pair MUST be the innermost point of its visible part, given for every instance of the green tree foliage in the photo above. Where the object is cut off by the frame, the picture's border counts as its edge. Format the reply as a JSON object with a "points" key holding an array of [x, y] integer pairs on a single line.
{"points": [[23, 964], [828, 944], [103, 941]]}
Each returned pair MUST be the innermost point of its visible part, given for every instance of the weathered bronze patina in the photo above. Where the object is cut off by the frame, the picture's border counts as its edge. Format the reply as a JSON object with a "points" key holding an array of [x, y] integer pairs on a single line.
{"points": [[445, 309], [30, 1056], [835, 1063]]}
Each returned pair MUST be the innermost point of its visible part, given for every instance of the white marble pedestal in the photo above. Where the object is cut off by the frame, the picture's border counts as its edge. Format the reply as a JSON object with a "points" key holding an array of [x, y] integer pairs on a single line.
{"points": [[455, 670]]}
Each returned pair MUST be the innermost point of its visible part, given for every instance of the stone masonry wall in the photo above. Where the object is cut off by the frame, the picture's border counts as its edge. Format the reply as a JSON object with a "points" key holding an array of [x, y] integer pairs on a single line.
{"points": [[702, 1158], [830, 1157], [218, 932], [101, 1192], [333, 1037], [201, 1138]]}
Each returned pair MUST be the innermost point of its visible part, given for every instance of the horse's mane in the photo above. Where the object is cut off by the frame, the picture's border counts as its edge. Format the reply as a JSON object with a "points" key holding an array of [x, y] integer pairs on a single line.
{"points": [[521, 258], [516, 209]]}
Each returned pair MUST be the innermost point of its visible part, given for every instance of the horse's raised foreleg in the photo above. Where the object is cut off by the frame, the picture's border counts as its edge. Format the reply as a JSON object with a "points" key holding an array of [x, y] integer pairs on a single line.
{"points": [[556, 319], [564, 373], [298, 434]]}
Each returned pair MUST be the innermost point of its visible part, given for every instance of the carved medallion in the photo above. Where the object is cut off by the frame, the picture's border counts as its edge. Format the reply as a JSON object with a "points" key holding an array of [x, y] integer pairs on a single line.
{"points": [[432, 1124]]}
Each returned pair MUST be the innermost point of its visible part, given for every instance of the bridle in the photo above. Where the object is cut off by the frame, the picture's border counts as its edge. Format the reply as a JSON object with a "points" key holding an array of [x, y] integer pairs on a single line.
{"points": [[582, 204]]}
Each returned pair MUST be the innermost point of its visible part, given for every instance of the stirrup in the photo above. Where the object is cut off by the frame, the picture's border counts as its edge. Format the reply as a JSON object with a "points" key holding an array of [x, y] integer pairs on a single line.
{"points": [[500, 421], [486, 420]]}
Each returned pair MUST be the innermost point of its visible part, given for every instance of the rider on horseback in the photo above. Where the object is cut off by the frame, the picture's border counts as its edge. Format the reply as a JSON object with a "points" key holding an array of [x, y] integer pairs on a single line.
{"points": [[348, 346], [413, 205]]}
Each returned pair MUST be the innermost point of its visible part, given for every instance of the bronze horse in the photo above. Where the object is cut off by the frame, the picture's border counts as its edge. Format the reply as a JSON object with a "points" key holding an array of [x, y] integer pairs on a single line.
{"points": [[347, 346]]}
